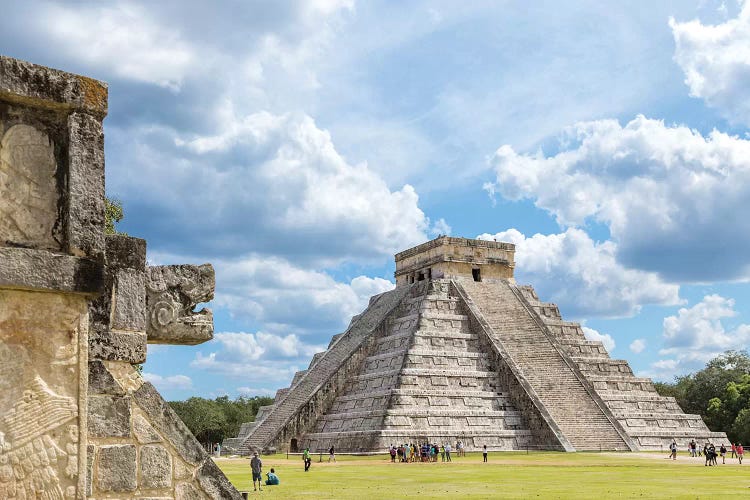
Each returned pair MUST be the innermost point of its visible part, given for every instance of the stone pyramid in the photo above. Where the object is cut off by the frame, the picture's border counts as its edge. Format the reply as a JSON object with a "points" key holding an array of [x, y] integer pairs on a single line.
{"points": [[459, 352]]}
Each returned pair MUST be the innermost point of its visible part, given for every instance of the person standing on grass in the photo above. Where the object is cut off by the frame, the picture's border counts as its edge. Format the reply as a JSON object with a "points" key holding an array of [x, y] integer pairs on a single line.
{"points": [[673, 450], [734, 451], [331, 455], [484, 453], [740, 452], [723, 453], [306, 457], [447, 452], [256, 465], [442, 453]]}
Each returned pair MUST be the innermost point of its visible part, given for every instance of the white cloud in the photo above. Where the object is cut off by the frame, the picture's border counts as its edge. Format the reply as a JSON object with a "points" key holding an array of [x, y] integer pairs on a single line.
{"points": [[440, 227], [637, 346], [285, 297], [696, 334], [604, 338], [716, 62], [241, 346], [254, 391], [666, 193], [269, 360], [123, 37], [277, 184], [167, 383], [582, 276]]}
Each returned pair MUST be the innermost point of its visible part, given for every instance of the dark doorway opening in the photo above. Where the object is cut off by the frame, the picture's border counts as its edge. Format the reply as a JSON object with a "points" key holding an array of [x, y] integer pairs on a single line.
{"points": [[293, 446], [476, 275], [420, 277]]}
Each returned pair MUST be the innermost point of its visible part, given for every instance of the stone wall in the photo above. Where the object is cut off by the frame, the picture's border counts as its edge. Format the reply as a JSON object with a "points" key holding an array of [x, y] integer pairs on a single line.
{"points": [[77, 309], [446, 257]]}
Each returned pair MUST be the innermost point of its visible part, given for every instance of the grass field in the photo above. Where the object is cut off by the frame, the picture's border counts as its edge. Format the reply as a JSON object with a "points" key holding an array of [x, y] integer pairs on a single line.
{"points": [[506, 475]]}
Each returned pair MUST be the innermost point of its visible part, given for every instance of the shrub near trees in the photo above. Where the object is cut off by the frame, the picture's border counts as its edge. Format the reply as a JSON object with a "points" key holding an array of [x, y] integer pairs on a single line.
{"points": [[720, 393], [212, 420]]}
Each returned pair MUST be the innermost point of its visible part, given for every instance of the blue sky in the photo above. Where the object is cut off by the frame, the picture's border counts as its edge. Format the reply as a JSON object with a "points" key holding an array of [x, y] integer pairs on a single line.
{"points": [[298, 145]]}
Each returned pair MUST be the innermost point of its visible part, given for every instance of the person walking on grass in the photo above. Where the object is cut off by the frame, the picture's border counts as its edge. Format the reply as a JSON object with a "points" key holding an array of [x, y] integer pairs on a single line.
{"points": [[306, 457], [734, 451], [740, 452], [723, 453], [331, 455], [255, 466], [673, 450], [447, 452], [484, 453]]}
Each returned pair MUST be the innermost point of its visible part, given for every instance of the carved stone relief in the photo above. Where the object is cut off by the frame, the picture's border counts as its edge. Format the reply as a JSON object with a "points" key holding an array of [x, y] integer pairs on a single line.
{"points": [[172, 294], [40, 391], [28, 188]]}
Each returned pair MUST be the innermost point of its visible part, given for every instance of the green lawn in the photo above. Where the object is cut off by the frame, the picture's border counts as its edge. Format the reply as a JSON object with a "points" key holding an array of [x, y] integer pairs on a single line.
{"points": [[506, 475]]}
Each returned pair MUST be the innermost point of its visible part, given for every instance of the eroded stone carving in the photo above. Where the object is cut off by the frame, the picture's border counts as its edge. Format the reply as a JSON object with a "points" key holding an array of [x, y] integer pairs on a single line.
{"points": [[39, 390], [172, 294], [28, 188]]}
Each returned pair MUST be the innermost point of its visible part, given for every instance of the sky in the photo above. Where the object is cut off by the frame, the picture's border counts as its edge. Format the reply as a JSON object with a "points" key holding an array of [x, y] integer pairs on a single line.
{"points": [[298, 145]]}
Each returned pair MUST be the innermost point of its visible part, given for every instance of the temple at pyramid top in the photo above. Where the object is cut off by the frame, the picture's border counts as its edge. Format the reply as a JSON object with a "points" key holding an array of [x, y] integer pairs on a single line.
{"points": [[447, 257], [457, 351]]}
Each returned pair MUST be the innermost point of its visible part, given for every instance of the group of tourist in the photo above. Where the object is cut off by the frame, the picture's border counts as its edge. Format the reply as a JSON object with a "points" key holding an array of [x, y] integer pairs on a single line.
{"points": [[709, 452], [426, 452]]}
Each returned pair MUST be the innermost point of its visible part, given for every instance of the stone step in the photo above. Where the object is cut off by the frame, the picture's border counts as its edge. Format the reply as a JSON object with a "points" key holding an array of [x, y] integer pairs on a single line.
{"points": [[422, 412], [553, 379], [326, 368]]}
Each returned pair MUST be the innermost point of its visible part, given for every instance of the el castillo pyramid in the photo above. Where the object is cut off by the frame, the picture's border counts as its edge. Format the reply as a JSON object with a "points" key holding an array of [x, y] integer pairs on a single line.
{"points": [[459, 352]]}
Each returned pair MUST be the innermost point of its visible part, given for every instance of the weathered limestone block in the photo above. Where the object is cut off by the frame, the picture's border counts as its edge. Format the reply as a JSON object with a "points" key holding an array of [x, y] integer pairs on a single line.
{"points": [[118, 346], [116, 468], [163, 418], [90, 452], [101, 380], [214, 482], [186, 491], [41, 270], [28, 189], [50, 89], [173, 293], [128, 299], [42, 387], [85, 220], [109, 416], [144, 432], [156, 467]]}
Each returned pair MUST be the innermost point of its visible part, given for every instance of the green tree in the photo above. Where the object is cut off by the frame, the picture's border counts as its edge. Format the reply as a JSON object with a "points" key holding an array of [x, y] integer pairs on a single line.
{"points": [[211, 421], [720, 393], [113, 214]]}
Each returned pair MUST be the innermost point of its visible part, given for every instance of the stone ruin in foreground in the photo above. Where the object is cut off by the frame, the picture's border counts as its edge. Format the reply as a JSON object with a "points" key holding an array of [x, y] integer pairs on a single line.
{"points": [[460, 352], [77, 309]]}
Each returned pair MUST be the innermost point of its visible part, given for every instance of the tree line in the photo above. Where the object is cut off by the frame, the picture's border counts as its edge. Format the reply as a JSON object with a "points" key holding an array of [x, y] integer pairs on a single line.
{"points": [[720, 393], [212, 420]]}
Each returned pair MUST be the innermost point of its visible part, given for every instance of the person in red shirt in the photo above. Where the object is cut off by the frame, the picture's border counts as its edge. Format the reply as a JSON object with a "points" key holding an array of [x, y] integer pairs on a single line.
{"points": [[734, 451], [740, 452]]}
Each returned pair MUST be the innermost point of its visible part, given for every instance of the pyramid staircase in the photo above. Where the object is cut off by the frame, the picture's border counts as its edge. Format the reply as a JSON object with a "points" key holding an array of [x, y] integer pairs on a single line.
{"points": [[427, 379], [652, 421], [556, 384]]}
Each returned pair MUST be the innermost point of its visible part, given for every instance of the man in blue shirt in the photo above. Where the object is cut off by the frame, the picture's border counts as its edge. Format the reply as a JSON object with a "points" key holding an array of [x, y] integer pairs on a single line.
{"points": [[273, 479]]}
